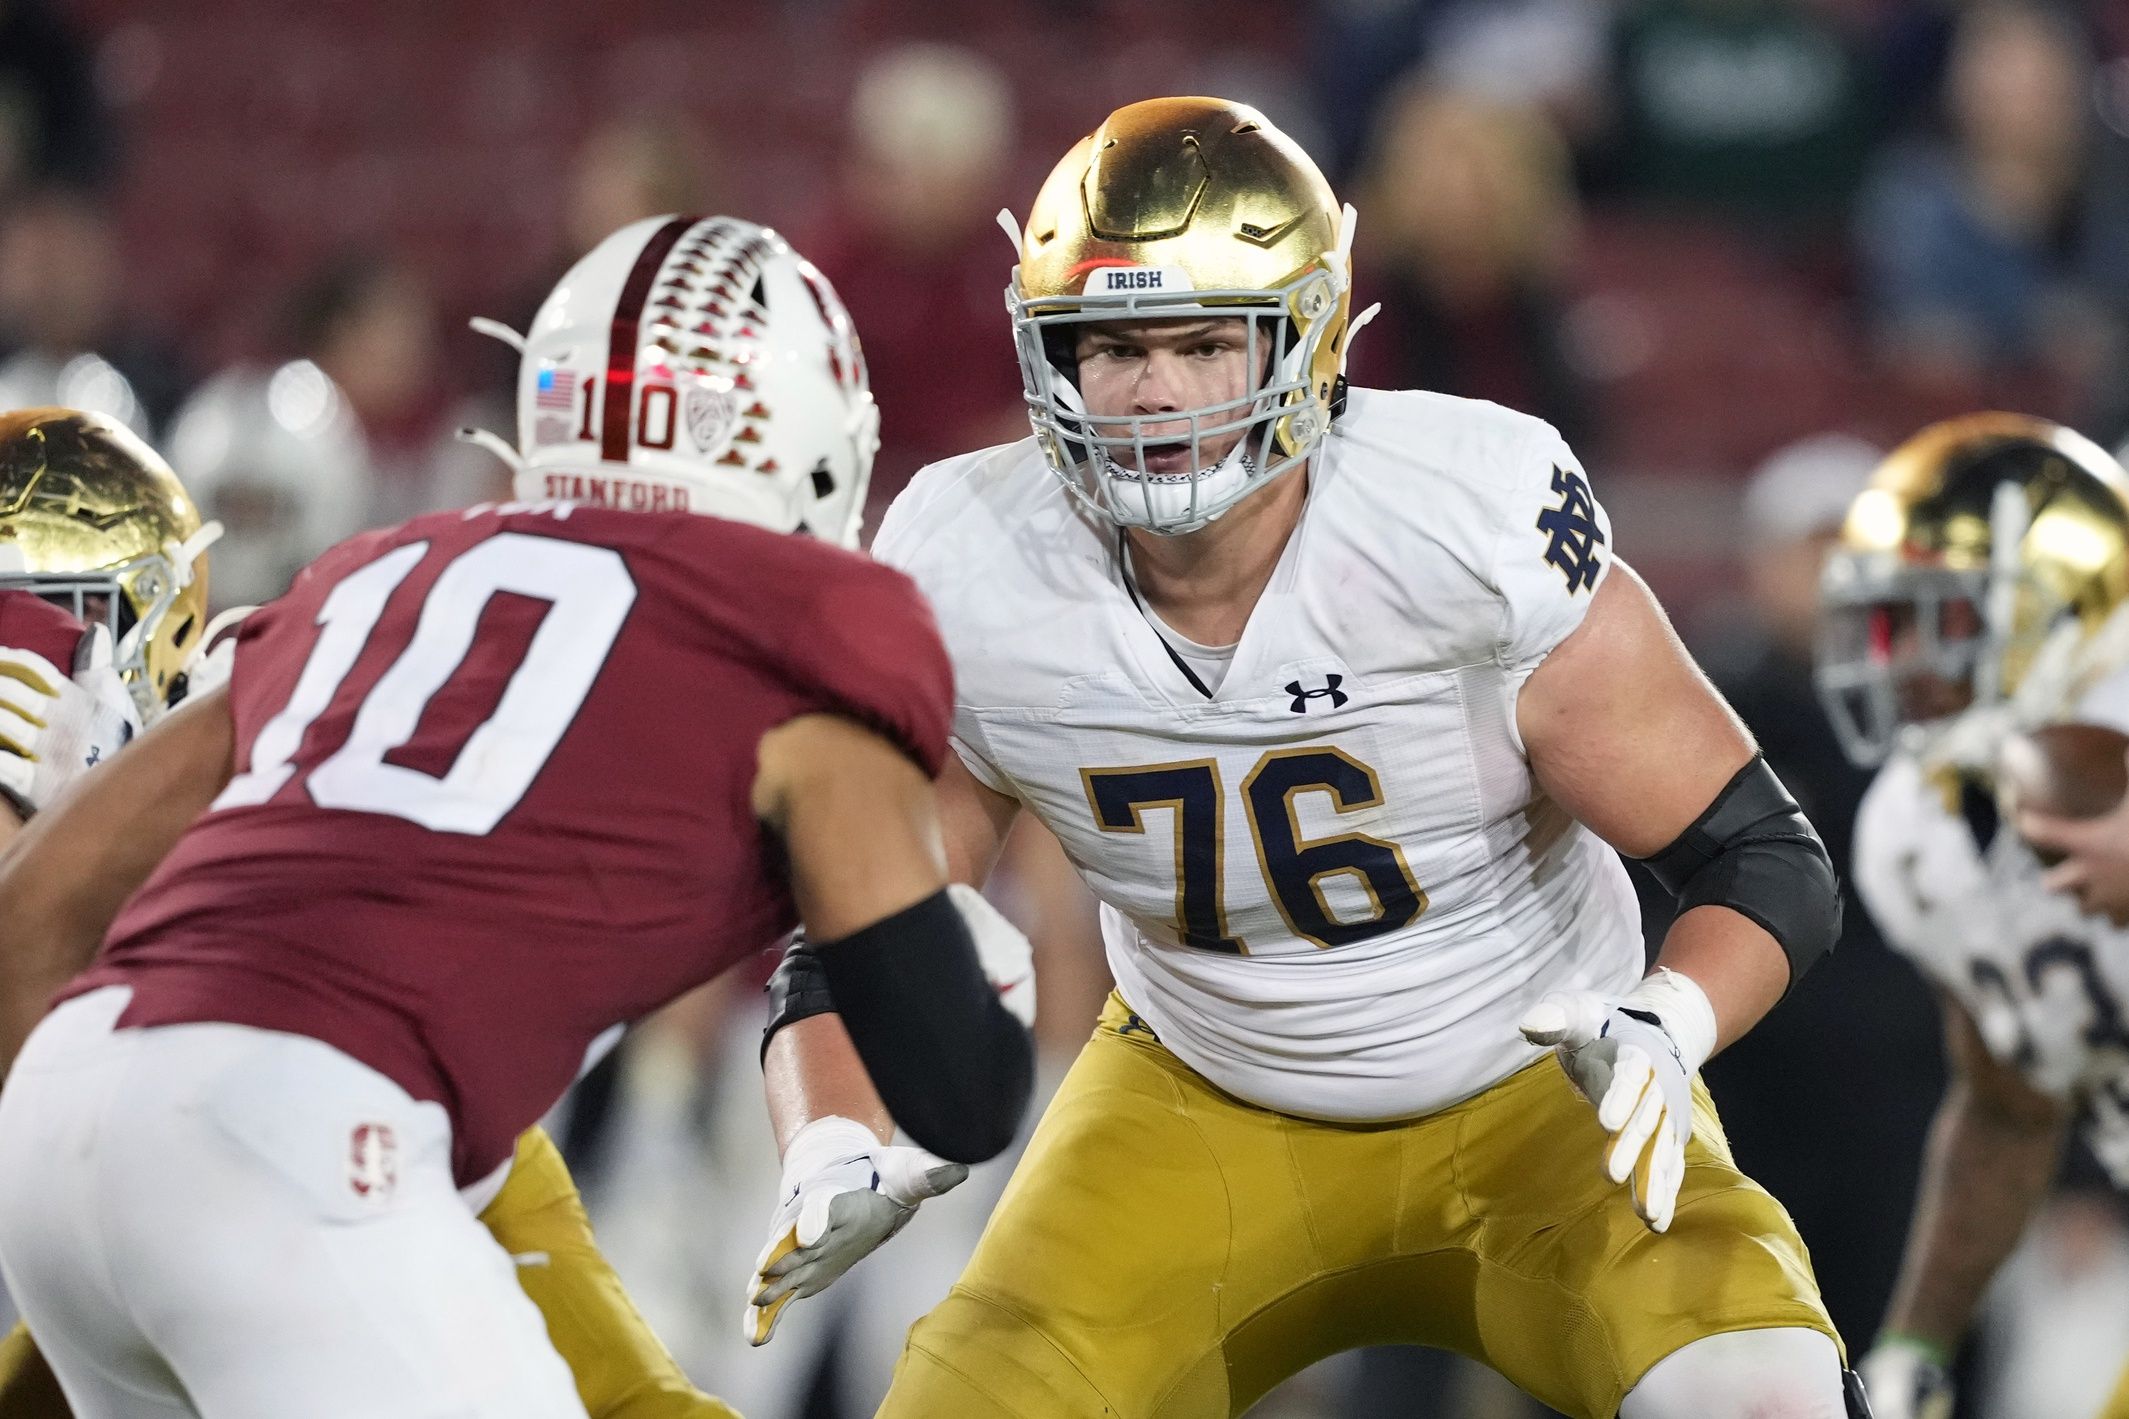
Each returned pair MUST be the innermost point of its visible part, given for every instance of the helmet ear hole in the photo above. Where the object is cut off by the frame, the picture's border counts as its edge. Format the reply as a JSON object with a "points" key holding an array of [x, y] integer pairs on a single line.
{"points": [[823, 480]]}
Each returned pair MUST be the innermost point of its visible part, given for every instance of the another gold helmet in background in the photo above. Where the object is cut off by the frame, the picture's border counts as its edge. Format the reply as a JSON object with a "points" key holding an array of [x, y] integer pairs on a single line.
{"points": [[1981, 543], [92, 518]]}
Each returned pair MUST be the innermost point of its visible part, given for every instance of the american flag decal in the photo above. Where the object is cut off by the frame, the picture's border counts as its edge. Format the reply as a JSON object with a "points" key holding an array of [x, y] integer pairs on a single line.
{"points": [[558, 390]]}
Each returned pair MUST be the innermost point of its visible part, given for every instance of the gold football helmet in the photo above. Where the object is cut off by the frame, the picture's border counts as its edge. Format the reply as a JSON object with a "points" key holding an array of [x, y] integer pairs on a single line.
{"points": [[93, 519], [1981, 544], [1183, 207]]}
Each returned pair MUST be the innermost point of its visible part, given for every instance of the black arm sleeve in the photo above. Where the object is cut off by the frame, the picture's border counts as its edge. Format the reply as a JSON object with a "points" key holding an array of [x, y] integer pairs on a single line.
{"points": [[1754, 852], [798, 988], [953, 1066]]}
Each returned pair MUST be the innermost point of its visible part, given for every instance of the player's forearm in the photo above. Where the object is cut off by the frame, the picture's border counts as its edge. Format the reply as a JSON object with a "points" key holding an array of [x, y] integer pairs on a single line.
{"points": [[1982, 1176], [67, 874], [1740, 968], [812, 1071]]}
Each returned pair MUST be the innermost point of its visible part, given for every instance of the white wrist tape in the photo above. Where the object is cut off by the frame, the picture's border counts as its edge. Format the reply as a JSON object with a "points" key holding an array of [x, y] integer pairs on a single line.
{"points": [[823, 1143], [1683, 1008]]}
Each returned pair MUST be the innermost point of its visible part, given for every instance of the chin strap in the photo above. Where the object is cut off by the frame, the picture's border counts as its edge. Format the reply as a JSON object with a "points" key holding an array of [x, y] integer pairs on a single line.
{"points": [[481, 438], [495, 444], [1011, 229], [496, 330], [186, 554]]}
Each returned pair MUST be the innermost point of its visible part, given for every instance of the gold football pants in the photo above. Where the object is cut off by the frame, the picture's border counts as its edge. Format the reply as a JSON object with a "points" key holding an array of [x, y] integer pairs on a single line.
{"points": [[1165, 1251], [2118, 1407], [621, 1369]]}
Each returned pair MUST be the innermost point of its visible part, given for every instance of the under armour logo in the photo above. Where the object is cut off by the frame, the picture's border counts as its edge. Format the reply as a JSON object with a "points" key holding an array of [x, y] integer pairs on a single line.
{"points": [[1330, 687], [1572, 526]]}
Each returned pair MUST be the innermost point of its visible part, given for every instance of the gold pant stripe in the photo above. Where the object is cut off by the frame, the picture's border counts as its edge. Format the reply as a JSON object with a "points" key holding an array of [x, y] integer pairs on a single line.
{"points": [[1166, 1251]]}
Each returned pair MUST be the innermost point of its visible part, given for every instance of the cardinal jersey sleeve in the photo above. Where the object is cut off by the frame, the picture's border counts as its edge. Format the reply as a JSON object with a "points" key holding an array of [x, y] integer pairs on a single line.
{"points": [[1553, 550], [29, 622], [848, 637], [941, 537]]}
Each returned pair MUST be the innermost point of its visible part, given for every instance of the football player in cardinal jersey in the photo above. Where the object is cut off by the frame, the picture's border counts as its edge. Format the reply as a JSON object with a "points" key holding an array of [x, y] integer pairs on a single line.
{"points": [[97, 527], [1340, 701], [482, 788], [1972, 598]]}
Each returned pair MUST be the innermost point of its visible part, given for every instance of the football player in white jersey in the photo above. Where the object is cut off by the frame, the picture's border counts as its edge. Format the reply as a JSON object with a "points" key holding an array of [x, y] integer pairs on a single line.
{"points": [[1971, 599], [1340, 702]]}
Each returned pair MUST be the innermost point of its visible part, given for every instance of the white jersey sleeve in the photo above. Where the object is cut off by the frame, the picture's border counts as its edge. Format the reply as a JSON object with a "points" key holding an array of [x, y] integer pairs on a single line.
{"points": [[1917, 868], [933, 514], [1552, 554], [2106, 703]]}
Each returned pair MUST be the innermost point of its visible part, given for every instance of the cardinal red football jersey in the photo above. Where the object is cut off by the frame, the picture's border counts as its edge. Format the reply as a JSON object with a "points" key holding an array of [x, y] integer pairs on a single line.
{"points": [[29, 622], [492, 799]]}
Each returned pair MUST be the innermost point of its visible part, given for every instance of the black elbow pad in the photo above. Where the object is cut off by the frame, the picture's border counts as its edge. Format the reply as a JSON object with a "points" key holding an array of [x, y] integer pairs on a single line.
{"points": [[951, 1064], [1754, 852]]}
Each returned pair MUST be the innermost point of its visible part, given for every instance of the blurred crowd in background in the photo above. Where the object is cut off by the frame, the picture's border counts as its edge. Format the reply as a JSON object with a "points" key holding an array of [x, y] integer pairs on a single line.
{"points": [[1731, 248]]}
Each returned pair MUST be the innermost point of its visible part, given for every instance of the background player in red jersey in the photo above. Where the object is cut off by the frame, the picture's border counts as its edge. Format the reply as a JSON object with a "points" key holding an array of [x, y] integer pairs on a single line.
{"points": [[485, 787]]}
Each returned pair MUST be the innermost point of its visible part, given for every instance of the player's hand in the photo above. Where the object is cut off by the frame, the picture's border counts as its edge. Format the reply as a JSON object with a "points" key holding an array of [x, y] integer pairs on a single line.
{"points": [[55, 727], [1008, 960], [1636, 1065], [843, 1194], [2095, 857], [1906, 1381]]}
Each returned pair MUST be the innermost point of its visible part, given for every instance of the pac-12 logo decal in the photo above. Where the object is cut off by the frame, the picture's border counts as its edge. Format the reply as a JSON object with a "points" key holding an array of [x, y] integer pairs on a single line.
{"points": [[710, 416], [372, 1161], [1572, 530]]}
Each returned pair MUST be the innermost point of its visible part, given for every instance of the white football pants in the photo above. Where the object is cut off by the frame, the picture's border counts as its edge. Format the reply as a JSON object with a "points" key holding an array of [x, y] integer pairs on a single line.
{"points": [[212, 1220]]}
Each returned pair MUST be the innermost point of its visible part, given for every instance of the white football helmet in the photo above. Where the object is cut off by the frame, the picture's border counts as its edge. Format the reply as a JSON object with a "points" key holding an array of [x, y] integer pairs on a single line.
{"points": [[277, 457], [699, 365]]}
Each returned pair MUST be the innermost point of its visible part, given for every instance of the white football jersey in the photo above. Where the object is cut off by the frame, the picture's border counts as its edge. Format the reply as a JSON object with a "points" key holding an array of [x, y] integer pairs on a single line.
{"points": [[1330, 885], [2045, 984]]}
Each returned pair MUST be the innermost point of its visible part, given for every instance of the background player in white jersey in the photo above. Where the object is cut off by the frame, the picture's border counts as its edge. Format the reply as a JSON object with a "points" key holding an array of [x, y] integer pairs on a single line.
{"points": [[97, 529], [1336, 701], [1970, 601]]}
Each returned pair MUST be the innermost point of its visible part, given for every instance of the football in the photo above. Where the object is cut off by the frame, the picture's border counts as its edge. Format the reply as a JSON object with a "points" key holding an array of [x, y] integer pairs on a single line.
{"points": [[2069, 770]]}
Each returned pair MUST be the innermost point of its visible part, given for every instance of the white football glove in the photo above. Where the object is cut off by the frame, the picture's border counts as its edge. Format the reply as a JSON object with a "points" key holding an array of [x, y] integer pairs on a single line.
{"points": [[1008, 961], [1906, 1380], [1635, 1060], [844, 1193], [54, 728]]}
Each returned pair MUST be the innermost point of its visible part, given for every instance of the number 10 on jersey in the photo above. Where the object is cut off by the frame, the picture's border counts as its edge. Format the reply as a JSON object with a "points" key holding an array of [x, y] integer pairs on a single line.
{"points": [[1294, 868]]}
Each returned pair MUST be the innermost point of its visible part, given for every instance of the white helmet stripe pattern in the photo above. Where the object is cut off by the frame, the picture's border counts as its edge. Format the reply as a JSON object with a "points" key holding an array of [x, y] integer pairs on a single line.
{"points": [[614, 417], [689, 365]]}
